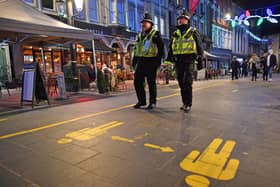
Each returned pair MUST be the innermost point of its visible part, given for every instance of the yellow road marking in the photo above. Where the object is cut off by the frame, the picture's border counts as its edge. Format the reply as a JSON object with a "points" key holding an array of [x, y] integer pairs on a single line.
{"points": [[162, 149], [235, 91], [212, 164], [1, 120], [142, 136], [89, 116], [119, 138], [122, 139], [197, 181], [89, 133]]}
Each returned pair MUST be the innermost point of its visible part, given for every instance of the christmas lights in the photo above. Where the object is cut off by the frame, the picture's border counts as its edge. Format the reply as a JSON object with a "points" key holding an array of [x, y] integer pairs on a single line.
{"points": [[245, 17]]}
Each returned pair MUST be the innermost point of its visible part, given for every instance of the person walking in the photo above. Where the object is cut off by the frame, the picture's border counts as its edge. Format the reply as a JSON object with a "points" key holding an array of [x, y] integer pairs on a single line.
{"points": [[185, 47], [244, 68], [235, 68], [148, 54], [264, 66], [271, 63], [254, 61]]}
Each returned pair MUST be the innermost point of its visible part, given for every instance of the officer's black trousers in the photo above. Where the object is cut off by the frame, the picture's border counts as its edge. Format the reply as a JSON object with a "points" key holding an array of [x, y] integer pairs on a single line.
{"points": [[145, 70], [185, 72]]}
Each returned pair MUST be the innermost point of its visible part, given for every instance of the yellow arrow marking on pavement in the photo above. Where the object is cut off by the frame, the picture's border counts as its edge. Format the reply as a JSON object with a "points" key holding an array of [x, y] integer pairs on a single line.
{"points": [[213, 164], [44, 127], [2, 120], [162, 149], [119, 138], [122, 139], [89, 133]]}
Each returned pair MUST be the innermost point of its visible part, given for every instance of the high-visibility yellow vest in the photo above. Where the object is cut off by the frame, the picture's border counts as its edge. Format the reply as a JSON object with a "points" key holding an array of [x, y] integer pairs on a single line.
{"points": [[145, 47], [184, 44]]}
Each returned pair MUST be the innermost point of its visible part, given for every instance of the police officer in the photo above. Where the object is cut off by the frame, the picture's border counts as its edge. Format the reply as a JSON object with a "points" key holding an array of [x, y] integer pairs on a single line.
{"points": [[185, 47], [148, 53]]}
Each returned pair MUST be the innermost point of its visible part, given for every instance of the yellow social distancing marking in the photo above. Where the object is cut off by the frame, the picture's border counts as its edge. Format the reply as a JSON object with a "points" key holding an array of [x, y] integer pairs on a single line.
{"points": [[89, 133], [213, 164], [4, 119], [162, 149], [119, 138], [197, 181], [122, 139]]}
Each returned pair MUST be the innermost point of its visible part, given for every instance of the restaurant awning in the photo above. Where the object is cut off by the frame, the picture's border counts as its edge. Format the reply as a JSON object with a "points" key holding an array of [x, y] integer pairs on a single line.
{"points": [[99, 46], [22, 22]]}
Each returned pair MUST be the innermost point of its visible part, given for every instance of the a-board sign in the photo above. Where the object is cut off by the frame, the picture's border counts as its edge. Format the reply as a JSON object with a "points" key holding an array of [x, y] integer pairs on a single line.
{"points": [[33, 85], [28, 85]]}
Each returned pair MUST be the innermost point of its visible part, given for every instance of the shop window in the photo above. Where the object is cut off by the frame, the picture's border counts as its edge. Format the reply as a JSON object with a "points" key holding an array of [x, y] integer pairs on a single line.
{"points": [[47, 4], [93, 10], [121, 12], [131, 17], [156, 23], [29, 1], [162, 26]]}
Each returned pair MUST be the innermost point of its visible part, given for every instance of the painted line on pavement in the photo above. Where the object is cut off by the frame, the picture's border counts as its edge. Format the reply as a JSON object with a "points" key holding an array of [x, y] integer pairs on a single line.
{"points": [[2, 120], [44, 127], [89, 133]]}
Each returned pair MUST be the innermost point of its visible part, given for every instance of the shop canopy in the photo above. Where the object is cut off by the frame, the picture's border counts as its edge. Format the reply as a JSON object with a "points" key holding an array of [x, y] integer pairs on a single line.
{"points": [[20, 22]]}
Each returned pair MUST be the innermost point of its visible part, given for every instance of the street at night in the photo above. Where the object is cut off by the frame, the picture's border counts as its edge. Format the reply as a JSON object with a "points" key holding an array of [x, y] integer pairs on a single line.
{"points": [[108, 143], [148, 93]]}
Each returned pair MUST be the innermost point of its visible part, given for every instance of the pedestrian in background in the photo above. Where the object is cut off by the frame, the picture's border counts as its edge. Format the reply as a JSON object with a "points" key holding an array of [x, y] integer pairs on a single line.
{"points": [[244, 68], [148, 54], [271, 63], [185, 47], [254, 63], [263, 62], [234, 68]]}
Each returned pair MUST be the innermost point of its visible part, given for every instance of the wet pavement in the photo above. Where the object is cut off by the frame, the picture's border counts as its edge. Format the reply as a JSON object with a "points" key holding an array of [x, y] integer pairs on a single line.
{"points": [[230, 138]]}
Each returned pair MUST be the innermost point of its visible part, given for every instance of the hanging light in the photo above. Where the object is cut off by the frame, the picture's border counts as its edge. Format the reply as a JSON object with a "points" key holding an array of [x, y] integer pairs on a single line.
{"points": [[246, 22], [272, 20], [260, 21], [79, 5], [268, 12], [247, 13]]}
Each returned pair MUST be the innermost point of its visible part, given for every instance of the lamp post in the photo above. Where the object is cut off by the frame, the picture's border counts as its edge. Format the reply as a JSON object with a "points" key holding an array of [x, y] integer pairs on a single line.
{"points": [[66, 6]]}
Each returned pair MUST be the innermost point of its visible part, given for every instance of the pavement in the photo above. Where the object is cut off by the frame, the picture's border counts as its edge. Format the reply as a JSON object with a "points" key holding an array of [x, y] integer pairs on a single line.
{"points": [[229, 139], [11, 104]]}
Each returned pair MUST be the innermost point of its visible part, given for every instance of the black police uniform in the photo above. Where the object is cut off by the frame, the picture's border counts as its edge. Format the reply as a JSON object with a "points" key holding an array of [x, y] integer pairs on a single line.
{"points": [[184, 65], [146, 67]]}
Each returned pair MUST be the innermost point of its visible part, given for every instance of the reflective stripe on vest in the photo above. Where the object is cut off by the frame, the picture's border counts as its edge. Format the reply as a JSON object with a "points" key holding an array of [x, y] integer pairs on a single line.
{"points": [[183, 45], [145, 47]]}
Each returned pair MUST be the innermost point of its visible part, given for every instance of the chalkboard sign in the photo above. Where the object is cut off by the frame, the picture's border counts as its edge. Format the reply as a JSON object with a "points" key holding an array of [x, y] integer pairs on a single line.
{"points": [[28, 85], [33, 85]]}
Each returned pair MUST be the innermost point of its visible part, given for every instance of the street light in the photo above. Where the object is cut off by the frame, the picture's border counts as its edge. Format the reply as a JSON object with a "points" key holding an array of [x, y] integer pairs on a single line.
{"points": [[61, 8], [79, 5]]}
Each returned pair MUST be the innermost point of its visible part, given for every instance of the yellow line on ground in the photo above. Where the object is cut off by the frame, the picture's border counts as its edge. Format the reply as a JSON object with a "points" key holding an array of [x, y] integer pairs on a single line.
{"points": [[89, 116], [1, 120]]}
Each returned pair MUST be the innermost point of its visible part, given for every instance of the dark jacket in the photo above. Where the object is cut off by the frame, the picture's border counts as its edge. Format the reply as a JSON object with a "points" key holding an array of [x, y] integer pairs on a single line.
{"points": [[186, 57], [235, 65], [273, 60], [156, 60]]}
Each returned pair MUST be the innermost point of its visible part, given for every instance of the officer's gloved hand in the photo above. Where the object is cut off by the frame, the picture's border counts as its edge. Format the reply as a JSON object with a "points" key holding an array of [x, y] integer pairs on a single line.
{"points": [[199, 63]]}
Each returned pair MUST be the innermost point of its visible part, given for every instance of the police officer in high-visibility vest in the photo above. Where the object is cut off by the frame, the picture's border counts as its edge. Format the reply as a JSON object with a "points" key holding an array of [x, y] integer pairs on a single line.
{"points": [[148, 54], [185, 48]]}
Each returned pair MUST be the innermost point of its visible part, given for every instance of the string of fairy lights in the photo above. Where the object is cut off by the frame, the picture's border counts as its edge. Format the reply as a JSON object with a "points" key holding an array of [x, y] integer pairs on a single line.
{"points": [[245, 18]]}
